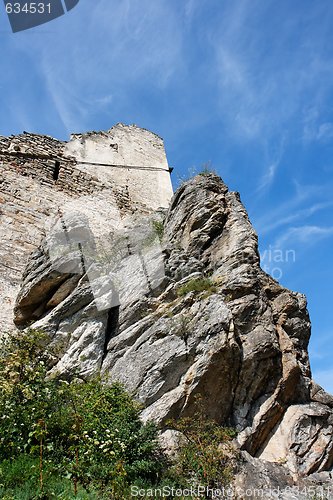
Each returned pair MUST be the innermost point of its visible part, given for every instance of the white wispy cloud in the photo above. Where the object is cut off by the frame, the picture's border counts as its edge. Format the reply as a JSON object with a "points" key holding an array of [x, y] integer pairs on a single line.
{"points": [[303, 235], [99, 57], [294, 216], [191, 7], [275, 157], [319, 347], [306, 200], [314, 129], [325, 131], [263, 84], [325, 379], [268, 177]]}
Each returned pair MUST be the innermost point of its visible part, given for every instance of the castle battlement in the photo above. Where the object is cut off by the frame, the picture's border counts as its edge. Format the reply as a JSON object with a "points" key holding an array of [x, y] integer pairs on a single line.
{"points": [[126, 156]]}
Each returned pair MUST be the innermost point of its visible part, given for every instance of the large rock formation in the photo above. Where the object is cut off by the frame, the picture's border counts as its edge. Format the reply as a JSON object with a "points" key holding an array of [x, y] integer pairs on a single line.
{"points": [[174, 303]]}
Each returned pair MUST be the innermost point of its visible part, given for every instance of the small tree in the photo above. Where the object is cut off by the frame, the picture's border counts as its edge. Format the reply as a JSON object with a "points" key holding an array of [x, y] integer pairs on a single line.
{"points": [[207, 457]]}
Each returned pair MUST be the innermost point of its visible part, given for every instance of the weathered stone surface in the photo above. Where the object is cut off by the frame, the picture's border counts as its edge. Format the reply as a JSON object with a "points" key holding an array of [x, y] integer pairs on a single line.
{"points": [[256, 478], [170, 442], [121, 171], [303, 439], [320, 396], [62, 292], [241, 342]]}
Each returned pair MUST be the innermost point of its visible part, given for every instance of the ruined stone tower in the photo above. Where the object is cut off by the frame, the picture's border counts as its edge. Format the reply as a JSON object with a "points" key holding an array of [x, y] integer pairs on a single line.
{"points": [[123, 170]]}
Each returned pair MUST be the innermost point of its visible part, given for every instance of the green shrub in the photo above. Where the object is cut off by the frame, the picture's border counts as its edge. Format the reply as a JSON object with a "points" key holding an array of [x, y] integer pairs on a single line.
{"points": [[86, 440], [197, 285], [89, 433], [207, 456], [158, 227]]}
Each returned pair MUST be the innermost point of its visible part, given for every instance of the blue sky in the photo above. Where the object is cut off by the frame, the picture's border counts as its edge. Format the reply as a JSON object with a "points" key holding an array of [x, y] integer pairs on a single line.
{"points": [[246, 85]]}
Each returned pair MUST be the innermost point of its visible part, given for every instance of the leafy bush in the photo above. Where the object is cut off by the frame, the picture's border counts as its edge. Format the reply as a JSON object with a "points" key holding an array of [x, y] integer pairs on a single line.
{"points": [[197, 285], [207, 457], [85, 440], [158, 228], [87, 432]]}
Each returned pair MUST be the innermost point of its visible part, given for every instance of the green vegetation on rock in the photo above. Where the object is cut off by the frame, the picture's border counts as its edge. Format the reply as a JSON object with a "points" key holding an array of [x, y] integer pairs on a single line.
{"points": [[87, 433], [158, 227], [84, 439], [207, 458], [197, 285]]}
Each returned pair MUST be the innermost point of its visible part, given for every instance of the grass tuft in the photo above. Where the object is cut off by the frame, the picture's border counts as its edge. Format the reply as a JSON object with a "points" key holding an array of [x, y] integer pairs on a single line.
{"points": [[197, 285]]}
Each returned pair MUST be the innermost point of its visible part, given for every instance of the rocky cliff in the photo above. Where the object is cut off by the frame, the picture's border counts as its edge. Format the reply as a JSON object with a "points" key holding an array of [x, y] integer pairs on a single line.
{"points": [[173, 303]]}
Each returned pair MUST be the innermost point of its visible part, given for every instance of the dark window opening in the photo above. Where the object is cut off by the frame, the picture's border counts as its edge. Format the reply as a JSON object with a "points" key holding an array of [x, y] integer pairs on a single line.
{"points": [[56, 170]]}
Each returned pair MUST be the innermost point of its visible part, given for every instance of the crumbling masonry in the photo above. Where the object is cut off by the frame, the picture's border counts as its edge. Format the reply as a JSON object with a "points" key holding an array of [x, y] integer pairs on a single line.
{"points": [[123, 170]]}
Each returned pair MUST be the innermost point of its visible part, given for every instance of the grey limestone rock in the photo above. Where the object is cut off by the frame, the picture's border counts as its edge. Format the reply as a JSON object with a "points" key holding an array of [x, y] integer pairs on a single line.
{"points": [[191, 314]]}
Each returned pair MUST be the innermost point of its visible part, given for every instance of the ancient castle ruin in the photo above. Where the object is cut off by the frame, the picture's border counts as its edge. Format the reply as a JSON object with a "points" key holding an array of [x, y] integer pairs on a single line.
{"points": [[123, 170]]}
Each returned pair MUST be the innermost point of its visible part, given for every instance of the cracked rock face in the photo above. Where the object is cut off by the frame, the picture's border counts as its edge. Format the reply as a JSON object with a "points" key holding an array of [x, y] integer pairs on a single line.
{"points": [[179, 306]]}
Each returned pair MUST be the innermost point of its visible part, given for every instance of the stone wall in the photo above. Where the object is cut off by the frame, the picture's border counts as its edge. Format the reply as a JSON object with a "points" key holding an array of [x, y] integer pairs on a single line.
{"points": [[40, 177], [129, 156]]}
